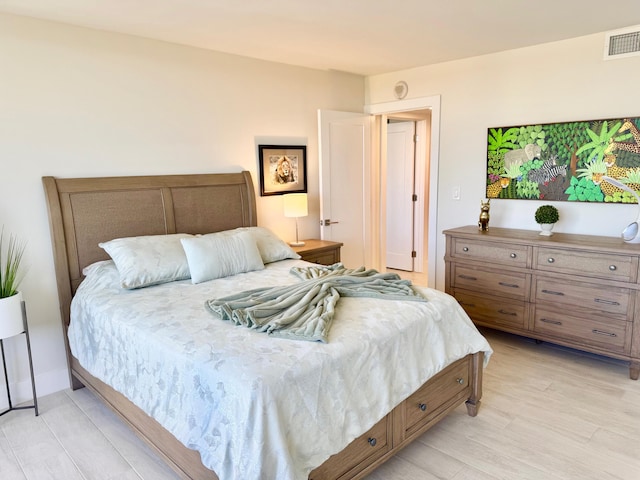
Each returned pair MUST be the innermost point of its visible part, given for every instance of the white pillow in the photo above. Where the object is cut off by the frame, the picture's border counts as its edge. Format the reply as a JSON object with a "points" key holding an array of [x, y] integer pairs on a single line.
{"points": [[148, 260], [222, 254], [270, 246]]}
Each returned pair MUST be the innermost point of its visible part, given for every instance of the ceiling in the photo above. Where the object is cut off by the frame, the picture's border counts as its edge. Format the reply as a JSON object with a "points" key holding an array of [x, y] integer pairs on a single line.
{"points": [[365, 37]]}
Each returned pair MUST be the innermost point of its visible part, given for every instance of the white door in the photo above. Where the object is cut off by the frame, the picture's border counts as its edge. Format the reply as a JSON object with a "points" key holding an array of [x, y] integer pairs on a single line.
{"points": [[345, 183], [400, 191]]}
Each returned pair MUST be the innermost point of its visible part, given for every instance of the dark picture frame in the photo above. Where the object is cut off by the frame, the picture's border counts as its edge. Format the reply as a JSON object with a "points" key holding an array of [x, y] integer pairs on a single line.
{"points": [[283, 169]]}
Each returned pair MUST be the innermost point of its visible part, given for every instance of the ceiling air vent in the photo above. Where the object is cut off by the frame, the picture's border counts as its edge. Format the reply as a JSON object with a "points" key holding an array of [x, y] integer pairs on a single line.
{"points": [[622, 43]]}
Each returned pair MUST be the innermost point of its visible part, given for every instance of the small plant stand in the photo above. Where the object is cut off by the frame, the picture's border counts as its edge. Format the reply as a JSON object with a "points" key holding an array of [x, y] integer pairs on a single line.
{"points": [[6, 377]]}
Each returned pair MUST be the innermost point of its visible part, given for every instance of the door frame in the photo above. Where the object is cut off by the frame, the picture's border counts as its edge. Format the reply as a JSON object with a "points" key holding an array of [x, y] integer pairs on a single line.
{"points": [[432, 103]]}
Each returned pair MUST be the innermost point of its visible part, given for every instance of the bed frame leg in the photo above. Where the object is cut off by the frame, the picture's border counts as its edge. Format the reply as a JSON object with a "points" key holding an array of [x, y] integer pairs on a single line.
{"points": [[473, 402], [634, 370], [75, 383], [472, 408]]}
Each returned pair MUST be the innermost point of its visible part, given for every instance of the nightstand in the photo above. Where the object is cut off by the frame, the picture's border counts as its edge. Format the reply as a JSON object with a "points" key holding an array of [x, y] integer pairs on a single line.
{"points": [[323, 252]]}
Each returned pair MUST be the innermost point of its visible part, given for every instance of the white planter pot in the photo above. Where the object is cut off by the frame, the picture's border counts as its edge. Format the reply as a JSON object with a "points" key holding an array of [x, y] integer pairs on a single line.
{"points": [[11, 322], [546, 229]]}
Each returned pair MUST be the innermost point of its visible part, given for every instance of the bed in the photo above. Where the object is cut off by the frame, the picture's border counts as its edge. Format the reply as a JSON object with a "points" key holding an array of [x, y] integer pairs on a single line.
{"points": [[354, 421]]}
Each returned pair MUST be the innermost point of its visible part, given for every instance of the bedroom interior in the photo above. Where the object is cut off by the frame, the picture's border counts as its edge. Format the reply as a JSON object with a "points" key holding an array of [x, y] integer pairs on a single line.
{"points": [[85, 102]]}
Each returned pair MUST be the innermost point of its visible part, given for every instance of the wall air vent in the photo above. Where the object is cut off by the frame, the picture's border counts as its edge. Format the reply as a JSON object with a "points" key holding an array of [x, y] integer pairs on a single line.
{"points": [[622, 43]]}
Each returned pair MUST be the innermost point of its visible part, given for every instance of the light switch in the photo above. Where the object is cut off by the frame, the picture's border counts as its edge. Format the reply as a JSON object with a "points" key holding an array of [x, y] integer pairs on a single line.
{"points": [[455, 193]]}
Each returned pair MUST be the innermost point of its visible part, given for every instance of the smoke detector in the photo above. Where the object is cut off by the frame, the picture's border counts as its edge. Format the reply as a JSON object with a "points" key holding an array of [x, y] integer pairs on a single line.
{"points": [[401, 89]]}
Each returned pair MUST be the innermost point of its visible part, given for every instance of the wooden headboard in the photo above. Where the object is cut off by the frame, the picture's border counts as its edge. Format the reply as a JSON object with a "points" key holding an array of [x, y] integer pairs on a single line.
{"points": [[86, 211]]}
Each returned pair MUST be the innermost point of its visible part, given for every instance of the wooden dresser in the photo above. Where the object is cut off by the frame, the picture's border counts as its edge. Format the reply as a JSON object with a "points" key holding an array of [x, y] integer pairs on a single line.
{"points": [[581, 291]]}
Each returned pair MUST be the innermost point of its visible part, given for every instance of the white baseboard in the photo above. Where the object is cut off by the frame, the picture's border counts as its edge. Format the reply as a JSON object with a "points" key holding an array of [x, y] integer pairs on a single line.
{"points": [[46, 383]]}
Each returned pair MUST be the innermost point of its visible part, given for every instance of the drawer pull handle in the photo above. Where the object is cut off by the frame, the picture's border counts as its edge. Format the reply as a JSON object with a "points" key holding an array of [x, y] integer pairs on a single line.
{"points": [[553, 322], [551, 259], [606, 302], [460, 381], [600, 332], [510, 285], [422, 406], [465, 249], [551, 292], [504, 312], [513, 255], [467, 277], [372, 441], [613, 268]]}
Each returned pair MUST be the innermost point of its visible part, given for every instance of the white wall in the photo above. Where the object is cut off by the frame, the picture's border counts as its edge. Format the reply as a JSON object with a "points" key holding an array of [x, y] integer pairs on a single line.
{"points": [[79, 102], [555, 82]]}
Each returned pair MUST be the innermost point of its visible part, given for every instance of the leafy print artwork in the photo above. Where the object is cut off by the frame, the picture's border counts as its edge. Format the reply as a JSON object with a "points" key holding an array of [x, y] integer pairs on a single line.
{"points": [[569, 161]]}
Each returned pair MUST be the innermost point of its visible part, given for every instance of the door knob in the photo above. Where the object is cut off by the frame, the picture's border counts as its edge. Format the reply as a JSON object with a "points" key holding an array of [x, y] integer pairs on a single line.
{"points": [[327, 222]]}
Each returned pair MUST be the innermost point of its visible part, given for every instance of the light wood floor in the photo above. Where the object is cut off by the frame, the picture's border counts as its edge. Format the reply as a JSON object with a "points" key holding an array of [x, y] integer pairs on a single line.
{"points": [[415, 277], [547, 413]]}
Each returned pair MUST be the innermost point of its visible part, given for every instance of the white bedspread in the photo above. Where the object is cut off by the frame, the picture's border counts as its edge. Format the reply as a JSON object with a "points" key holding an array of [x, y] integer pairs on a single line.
{"points": [[254, 406]]}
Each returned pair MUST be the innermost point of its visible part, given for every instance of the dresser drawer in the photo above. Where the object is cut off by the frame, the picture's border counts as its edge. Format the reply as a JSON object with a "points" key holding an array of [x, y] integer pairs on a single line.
{"points": [[491, 310], [363, 451], [585, 295], [424, 404], [603, 265], [502, 254], [512, 285], [606, 333]]}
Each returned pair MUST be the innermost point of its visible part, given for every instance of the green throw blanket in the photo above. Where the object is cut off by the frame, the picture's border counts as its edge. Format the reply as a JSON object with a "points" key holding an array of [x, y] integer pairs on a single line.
{"points": [[305, 310]]}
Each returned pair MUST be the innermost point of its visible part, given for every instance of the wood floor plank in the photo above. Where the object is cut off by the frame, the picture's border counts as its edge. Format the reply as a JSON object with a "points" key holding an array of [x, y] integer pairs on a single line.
{"points": [[91, 451], [9, 467], [140, 456], [59, 467], [548, 413], [470, 473], [432, 460], [398, 467]]}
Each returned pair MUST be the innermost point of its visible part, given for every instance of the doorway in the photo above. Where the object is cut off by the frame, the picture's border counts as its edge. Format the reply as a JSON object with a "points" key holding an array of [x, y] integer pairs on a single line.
{"points": [[405, 169], [369, 208], [400, 194], [426, 112]]}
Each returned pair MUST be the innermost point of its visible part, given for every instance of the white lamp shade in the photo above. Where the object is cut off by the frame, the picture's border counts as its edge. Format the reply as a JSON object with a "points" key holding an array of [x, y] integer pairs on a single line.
{"points": [[295, 205]]}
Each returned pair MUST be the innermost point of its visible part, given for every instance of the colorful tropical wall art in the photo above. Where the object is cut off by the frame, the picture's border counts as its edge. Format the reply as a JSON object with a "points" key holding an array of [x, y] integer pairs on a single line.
{"points": [[570, 161]]}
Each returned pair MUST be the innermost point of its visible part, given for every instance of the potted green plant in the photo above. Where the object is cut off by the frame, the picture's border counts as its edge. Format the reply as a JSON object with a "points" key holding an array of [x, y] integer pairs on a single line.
{"points": [[11, 322], [546, 216]]}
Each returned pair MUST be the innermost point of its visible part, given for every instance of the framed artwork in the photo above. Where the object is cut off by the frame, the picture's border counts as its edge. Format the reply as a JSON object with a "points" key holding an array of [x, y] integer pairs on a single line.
{"points": [[584, 161], [283, 169]]}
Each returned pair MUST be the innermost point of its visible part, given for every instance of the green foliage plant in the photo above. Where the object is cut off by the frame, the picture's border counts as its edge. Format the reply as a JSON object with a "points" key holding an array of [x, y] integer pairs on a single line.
{"points": [[633, 176], [495, 164], [513, 171], [621, 197], [10, 272], [584, 190], [599, 144], [592, 169], [532, 134], [527, 189], [565, 138], [547, 214], [500, 142]]}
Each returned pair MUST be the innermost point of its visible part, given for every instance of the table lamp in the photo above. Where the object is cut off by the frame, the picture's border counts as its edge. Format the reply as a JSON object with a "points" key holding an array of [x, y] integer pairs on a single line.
{"points": [[295, 205]]}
